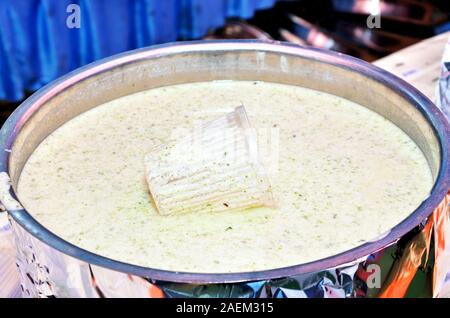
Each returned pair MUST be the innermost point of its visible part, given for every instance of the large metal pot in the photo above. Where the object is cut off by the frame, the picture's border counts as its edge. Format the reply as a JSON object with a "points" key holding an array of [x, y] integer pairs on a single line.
{"points": [[50, 266]]}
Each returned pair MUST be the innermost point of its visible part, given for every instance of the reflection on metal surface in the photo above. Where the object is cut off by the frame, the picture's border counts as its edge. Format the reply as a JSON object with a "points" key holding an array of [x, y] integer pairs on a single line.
{"points": [[318, 37], [375, 39], [238, 30], [403, 271], [405, 11], [291, 37], [313, 35], [441, 218]]}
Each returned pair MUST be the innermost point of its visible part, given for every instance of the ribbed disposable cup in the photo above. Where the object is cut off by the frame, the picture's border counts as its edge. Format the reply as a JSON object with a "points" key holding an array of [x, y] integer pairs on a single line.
{"points": [[213, 168]]}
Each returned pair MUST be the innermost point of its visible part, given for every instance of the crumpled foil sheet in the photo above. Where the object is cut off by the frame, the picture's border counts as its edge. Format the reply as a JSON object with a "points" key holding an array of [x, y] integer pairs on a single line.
{"points": [[442, 100], [408, 268], [9, 279]]}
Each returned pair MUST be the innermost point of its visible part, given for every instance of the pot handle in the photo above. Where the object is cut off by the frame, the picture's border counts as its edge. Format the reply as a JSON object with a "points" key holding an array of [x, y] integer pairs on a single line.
{"points": [[10, 285], [7, 201]]}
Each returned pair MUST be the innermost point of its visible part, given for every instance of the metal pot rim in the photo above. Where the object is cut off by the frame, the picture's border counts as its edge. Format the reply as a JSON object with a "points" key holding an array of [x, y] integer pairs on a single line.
{"points": [[432, 114]]}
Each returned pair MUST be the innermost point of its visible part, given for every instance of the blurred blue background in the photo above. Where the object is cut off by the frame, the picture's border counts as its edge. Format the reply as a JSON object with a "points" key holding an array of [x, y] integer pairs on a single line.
{"points": [[36, 46]]}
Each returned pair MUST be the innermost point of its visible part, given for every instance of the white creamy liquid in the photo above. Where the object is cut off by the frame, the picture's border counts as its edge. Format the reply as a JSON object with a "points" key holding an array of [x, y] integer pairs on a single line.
{"points": [[346, 175]]}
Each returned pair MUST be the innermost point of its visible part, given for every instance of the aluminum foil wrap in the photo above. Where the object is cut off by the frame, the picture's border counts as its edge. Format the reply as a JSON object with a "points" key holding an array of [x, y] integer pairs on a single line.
{"points": [[9, 279], [410, 267], [442, 100]]}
